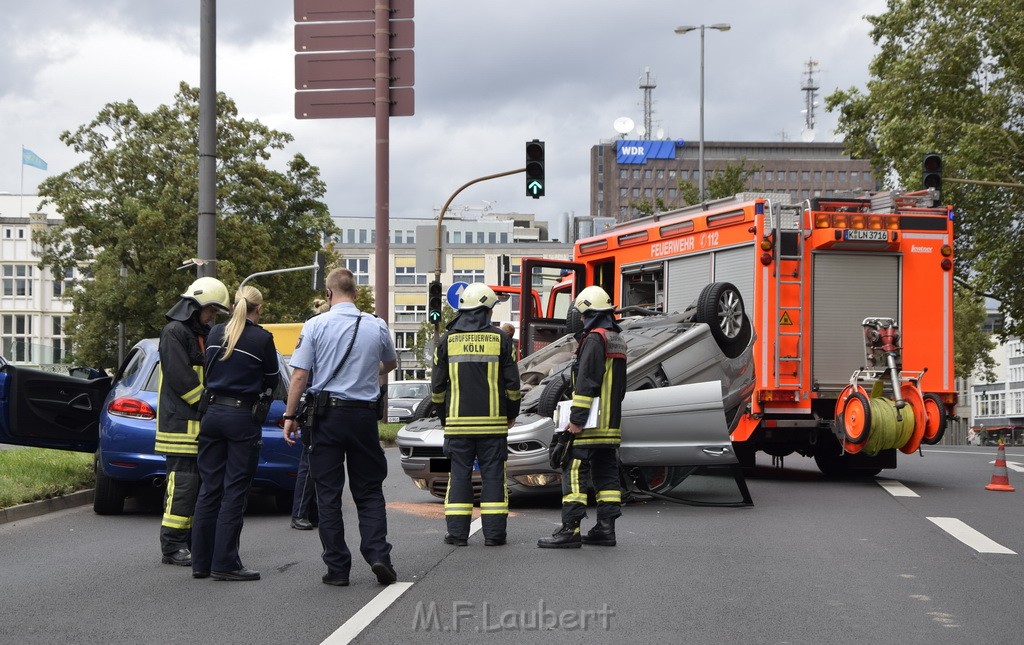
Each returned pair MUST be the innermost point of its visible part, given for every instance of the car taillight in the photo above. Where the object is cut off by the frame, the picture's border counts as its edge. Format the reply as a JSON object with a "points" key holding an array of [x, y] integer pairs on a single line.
{"points": [[132, 408]]}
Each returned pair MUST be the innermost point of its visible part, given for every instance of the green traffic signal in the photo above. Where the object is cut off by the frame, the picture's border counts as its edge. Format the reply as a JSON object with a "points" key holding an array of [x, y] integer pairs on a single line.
{"points": [[535, 168], [434, 302]]}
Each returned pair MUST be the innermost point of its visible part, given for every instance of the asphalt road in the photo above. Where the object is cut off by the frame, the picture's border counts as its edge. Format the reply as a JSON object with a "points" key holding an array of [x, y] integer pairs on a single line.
{"points": [[813, 561]]}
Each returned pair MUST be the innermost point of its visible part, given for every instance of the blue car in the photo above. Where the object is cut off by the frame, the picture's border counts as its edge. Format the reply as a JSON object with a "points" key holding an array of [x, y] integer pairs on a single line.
{"points": [[115, 418]]}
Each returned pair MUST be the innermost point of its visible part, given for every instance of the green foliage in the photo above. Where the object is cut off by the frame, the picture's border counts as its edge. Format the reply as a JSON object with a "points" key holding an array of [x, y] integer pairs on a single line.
{"points": [[723, 183], [973, 346], [30, 474], [133, 203], [949, 78]]}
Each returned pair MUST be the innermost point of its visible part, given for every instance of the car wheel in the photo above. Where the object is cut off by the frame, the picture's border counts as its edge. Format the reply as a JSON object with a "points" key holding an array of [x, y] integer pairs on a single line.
{"points": [[424, 409], [573, 320], [663, 479], [720, 305], [109, 496], [556, 390]]}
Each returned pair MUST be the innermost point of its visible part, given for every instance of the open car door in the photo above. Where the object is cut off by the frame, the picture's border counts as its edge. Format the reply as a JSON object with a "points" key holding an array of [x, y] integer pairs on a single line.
{"points": [[47, 410], [558, 282]]}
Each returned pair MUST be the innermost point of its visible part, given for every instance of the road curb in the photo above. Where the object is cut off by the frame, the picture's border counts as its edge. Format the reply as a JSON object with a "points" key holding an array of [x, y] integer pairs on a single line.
{"points": [[44, 506]]}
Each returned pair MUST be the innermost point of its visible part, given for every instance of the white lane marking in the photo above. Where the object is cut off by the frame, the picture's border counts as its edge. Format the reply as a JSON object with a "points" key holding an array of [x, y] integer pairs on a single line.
{"points": [[1012, 465], [475, 526], [362, 618], [972, 538], [895, 488]]}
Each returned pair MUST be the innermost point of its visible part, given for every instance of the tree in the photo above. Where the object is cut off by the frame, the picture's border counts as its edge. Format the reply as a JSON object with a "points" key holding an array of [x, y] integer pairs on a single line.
{"points": [[133, 203], [726, 182], [973, 347], [949, 78]]}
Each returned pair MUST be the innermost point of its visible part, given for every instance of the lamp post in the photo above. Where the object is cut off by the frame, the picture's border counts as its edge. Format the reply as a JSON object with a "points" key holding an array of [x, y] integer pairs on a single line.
{"points": [[720, 26]]}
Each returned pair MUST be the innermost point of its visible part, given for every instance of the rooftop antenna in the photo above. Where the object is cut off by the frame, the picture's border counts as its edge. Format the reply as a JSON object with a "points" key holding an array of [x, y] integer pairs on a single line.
{"points": [[647, 84], [810, 89]]}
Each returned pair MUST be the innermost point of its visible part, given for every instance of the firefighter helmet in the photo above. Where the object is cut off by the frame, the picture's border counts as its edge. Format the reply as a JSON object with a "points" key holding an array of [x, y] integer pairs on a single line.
{"points": [[593, 299], [477, 295], [208, 291]]}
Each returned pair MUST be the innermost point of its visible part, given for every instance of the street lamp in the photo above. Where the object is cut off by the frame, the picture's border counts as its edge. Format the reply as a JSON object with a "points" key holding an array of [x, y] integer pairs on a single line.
{"points": [[720, 26]]}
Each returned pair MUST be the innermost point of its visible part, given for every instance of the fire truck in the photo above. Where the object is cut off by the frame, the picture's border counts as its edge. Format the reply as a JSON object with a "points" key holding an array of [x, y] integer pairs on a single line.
{"points": [[850, 301]]}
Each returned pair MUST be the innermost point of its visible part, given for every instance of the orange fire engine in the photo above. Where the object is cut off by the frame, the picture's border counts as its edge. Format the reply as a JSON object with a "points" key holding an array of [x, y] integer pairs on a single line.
{"points": [[850, 301]]}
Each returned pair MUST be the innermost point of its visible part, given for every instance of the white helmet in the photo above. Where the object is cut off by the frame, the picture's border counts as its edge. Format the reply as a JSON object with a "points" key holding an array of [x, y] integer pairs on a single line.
{"points": [[593, 299], [477, 295], [208, 291]]}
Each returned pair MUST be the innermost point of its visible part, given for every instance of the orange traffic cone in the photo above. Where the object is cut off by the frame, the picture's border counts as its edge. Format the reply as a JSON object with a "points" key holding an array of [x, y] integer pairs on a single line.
{"points": [[1000, 480]]}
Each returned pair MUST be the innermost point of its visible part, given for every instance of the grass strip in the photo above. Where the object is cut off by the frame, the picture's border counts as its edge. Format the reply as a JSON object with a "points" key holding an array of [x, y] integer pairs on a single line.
{"points": [[30, 474]]}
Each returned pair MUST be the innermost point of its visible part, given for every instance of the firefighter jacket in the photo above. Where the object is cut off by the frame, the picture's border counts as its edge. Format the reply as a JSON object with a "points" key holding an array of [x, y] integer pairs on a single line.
{"points": [[599, 371], [475, 382], [179, 386]]}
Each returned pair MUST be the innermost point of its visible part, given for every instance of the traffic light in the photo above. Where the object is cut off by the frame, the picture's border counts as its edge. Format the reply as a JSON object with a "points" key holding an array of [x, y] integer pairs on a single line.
{"points": [[931, 171], [434, 302], [535, 169]]}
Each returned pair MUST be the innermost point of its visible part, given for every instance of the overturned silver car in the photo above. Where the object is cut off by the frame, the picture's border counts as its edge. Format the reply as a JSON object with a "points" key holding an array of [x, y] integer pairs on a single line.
{"points": [[687, 375]]}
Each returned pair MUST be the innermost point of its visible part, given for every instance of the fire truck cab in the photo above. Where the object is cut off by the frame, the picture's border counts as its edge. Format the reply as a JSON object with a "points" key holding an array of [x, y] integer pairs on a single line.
{"points": [[811, 276]]}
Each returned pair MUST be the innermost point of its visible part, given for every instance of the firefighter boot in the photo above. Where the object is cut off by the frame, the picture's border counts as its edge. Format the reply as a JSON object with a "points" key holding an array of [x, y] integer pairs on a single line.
{"points": [[603, 533], [566, 537]]}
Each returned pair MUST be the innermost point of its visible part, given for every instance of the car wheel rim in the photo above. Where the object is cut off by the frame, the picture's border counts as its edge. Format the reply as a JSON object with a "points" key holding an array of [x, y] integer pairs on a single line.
{"points": [[730, 313]]}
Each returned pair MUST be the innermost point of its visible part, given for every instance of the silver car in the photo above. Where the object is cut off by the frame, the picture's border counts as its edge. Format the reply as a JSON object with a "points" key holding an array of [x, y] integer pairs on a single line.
{"points": [[687, 375], [404, 398]]}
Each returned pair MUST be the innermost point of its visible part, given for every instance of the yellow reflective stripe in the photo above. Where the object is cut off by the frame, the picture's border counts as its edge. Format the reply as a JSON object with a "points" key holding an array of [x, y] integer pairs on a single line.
{"points": [[582, 401], [574, 498], [437, 398], [455, 506], [492, 389], [513, 395], [494, 511], [481, 430], [192, 395], [453, 401], [574, 477], [460, 420], [606, 393], [176, 522], [484, 505], [609, 496]]}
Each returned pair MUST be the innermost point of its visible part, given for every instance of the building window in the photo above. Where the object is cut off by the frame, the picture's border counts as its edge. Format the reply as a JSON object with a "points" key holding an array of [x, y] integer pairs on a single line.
{"points": [[636, 174], [504, 238], [805, 175], [829, 175], [636, 192], [405, 340], [468, 275], [61, 346], [16, 338], [671, 174], [648, 174], [492, 237], [410, 313], [405, 276], [842, 175], [623, 174], [672, 192], [792, 175], [854, 176], [767, 175], [17, 279], [60, 287], [661, 174], [350, 236], [360, 268]]}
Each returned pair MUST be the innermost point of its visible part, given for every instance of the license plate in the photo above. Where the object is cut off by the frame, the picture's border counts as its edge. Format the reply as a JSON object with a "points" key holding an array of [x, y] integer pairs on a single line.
{"points": [[860, 235], [392, 419]]}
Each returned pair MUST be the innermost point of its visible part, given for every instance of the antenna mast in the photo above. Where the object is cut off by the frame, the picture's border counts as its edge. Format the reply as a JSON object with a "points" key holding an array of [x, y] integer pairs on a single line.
{"points": [[810, 90], [647, 84]]}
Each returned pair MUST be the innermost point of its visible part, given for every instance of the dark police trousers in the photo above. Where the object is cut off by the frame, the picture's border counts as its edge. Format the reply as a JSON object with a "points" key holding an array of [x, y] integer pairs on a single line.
{"points": [[349, 437], [597, 463], [491, 452], [304, 499], [229, 451], [179, 503]]}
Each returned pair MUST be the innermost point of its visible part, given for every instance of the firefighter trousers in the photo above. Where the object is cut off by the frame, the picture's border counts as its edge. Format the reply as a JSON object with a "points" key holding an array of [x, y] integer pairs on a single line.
{"points": [[491, 453], [598, 465], [179, 503]]}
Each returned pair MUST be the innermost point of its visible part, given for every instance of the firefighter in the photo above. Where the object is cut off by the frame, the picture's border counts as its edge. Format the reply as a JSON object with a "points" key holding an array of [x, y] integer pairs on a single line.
{"points": [[182, 350], [598, 372], [475, 387]]}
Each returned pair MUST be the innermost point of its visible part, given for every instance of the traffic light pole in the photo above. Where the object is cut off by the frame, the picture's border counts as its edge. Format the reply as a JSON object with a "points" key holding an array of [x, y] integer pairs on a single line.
{"points": [[440, 218]]}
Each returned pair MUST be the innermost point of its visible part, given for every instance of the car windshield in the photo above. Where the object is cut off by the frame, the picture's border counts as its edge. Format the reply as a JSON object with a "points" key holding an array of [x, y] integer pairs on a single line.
{"points": [[408, 390]]}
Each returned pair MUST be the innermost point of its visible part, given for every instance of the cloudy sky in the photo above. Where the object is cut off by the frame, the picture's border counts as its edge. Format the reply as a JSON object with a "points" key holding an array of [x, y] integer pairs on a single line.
{"points": [[489, 75]]}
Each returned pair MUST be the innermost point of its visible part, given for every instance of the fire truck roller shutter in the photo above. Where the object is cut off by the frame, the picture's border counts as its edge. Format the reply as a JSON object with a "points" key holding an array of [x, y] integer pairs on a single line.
{"points": [[736, 265], [847, 288], [686, 277]]}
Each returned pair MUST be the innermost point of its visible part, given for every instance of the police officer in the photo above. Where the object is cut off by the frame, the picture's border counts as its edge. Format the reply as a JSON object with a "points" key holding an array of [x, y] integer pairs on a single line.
{"points": [[347, 432], [599, 370], [241, 365], [475, 385], [182, 350]]}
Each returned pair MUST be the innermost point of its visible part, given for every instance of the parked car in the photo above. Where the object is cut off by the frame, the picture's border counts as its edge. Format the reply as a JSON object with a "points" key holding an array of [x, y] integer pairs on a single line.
{"points": [[115, 418], [686, 378], [404, 397]]}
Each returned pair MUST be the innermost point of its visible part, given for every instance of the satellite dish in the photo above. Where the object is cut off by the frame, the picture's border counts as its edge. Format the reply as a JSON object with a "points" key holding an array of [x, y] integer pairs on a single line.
{"points": [[660, 134], [641, 131], [807, 135], [623, 124]]}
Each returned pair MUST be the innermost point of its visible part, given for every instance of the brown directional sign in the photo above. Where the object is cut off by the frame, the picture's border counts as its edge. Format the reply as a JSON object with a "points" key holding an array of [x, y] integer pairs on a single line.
{"points": [[335, 10], [349, 36], [340, 104], [349, 70]]}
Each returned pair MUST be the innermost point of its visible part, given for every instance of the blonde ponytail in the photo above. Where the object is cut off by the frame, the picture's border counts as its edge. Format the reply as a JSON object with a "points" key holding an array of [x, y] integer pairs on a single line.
{"points": [[246, 300]]}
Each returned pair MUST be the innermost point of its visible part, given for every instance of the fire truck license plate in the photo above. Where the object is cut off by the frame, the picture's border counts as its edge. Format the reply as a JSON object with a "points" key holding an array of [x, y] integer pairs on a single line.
{"points": [[859, 235]]}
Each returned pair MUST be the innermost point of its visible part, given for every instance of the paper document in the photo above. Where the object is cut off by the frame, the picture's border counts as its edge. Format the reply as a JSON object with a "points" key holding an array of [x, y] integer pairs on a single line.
{"points": [[564, 408]]}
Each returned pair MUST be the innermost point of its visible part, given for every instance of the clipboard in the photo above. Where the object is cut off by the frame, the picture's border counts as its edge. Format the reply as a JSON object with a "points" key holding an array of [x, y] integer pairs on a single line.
{"points": [[564, 408]]}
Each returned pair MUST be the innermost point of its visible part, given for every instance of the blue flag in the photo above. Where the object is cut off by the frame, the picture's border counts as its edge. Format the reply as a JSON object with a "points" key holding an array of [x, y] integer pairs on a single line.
{"points": [[29, 158]]}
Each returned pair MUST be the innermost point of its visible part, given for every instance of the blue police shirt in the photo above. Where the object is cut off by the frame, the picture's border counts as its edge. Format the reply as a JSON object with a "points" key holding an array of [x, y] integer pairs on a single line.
{"points": [[323, 342]]}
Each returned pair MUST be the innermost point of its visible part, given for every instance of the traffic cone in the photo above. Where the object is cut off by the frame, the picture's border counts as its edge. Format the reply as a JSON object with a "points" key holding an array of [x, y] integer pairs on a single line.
{"points": [[1000, 480]]}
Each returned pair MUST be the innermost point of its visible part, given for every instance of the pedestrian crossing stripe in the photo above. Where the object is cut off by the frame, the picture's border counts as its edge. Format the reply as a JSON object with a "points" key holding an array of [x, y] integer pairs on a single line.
{"points": [[785, 320]]}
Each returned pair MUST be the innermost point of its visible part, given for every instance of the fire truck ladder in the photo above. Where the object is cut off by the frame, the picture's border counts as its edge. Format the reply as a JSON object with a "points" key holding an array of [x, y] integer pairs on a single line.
{"points": [[788, 220]]}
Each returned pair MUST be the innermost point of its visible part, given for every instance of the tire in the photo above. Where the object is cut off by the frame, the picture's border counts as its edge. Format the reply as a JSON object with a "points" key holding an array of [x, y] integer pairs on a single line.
{"points": [[856, 418], [936, 414], [109, 496], [663, 479], [424, 409], [720, 305], [556, 390], [573, 320]]}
